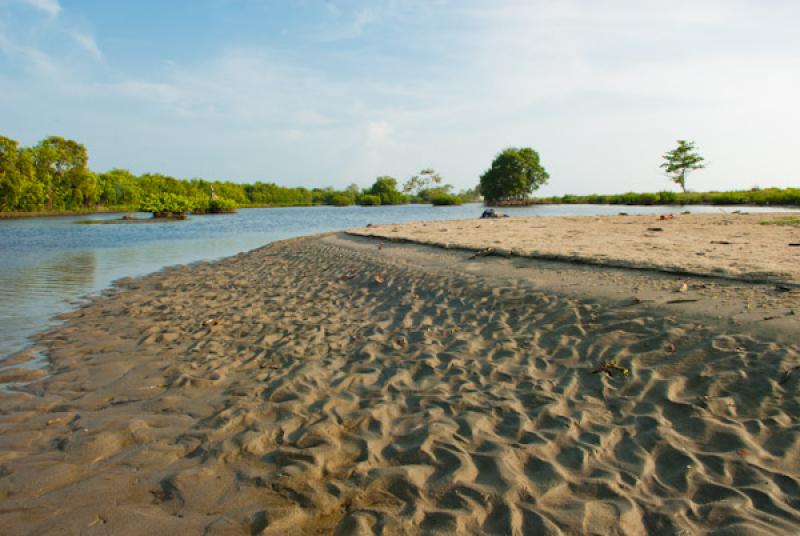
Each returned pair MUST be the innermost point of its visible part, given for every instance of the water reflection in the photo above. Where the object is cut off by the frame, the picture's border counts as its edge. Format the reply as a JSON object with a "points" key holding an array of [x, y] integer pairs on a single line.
{"points": [[31, 294]]}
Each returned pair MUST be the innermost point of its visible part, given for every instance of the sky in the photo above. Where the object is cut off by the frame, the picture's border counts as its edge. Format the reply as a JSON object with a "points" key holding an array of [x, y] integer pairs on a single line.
{"points": [[327, 93]]}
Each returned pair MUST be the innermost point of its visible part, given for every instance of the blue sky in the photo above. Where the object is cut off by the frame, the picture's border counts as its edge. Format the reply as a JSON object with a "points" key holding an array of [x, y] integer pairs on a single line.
{"points": [[318, 93]]}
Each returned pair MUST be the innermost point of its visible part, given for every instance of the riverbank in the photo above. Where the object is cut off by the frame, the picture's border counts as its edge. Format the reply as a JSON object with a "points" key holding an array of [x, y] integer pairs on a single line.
{"points": [[354, 384], [61, 213]]}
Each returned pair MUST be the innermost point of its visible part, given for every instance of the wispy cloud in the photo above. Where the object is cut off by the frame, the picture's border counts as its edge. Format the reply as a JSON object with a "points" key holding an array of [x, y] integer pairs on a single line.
{"points": [[87, 42], [51, 7]]}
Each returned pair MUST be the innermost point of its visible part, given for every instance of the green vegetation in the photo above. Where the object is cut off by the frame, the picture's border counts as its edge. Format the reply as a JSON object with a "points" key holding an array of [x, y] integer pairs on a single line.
{"points": [[445, 199], [515, 173], [214, 206], [53, 177], [789, 220], [427, 187], [755, 196], [680, 161], [385, 189], [166, 205], [369, 200]]}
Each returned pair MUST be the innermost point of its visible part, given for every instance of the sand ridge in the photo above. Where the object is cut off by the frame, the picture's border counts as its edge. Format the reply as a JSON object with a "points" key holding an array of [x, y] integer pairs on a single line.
{"points": [[733, 245], [318, 386]]}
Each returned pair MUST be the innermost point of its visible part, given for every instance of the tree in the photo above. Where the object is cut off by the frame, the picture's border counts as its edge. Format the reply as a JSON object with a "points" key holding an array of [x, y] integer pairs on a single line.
{"points": [[680, 161], [515, 173], [353, 190], [425, 180], [32, 194], [118, 187], [386, 188], [9, 175], [62, 166]]}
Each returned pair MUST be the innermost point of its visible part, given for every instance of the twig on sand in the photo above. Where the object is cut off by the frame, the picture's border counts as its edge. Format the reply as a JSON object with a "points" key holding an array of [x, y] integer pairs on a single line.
{"points": [[610, 367], [486, 252], [787, 375], [682, 300]]}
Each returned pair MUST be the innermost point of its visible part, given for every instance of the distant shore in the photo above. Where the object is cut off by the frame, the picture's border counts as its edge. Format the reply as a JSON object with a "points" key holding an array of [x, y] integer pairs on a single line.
{"points": [[340, 383]]}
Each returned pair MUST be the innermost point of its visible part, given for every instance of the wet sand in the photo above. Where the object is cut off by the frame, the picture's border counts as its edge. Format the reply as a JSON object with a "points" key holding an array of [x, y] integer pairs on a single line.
{"points": [[350, 385]]}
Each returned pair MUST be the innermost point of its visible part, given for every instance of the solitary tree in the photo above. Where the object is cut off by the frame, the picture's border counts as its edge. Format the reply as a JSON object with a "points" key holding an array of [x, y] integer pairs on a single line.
{"points": [[425, 180], [515, 173], [680, 161]]}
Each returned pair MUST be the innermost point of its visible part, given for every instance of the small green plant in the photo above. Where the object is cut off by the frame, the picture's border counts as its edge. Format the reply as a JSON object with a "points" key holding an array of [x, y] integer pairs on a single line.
{"points": [[789, 220]]}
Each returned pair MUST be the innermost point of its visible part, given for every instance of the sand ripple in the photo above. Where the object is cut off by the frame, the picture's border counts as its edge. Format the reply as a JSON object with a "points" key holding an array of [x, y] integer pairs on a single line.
{"points": [[287, 391]]}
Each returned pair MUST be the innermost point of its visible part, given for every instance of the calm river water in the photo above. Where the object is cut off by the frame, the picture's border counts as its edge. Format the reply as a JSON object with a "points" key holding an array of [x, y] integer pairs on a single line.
{"points": [[47, 265]]}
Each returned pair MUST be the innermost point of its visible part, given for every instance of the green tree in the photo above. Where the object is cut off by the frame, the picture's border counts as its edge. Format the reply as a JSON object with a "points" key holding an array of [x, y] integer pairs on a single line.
{"points": [[353, 189], [386, 188], [425, 180], [62, 166], [10, 187], [680, 161], [32, 195], [515, 173], [118, 187], [426, 185]]}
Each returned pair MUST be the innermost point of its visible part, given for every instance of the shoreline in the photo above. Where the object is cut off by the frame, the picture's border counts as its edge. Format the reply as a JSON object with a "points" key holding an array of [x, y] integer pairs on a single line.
{"points": [[794, 209], [334, 383]]}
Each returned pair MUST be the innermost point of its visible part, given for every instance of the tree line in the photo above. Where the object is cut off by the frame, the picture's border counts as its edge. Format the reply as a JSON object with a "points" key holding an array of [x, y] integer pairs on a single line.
{"points": [[54, 176]]}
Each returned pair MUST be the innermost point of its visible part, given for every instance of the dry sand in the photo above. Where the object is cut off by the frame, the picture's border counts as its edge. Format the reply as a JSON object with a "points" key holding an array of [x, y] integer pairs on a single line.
{"points": [[350, 385], [727, 245]]}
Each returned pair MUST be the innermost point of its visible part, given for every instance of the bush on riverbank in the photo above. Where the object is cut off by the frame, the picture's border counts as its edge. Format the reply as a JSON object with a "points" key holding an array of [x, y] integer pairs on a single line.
{"points": [[369, 200], [214, 206], [167, 205], [442, 200]]}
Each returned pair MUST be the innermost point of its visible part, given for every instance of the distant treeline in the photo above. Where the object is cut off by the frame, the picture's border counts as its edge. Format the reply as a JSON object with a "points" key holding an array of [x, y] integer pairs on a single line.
{"points": [[754, 196], [54, 176]]}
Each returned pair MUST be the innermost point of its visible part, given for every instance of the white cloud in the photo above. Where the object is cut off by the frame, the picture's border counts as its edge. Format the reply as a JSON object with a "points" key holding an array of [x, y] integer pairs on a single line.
{"points": [[378, 132], [88, 43], [51, 7], [601, 92], [294, 134]]}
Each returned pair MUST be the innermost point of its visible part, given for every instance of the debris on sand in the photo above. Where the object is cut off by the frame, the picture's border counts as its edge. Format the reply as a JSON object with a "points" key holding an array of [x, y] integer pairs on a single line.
{"points": [[611, 367], [485, 252]]}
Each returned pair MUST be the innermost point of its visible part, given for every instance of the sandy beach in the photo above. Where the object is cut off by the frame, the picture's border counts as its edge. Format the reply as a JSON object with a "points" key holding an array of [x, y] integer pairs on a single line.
{"points": [[736, 245], [343, 384]]}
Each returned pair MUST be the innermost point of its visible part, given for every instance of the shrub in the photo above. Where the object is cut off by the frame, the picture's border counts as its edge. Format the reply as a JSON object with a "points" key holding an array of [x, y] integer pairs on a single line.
{"points": [[442, 199], [340, 200], [369, 200], [393, 198], [167, 205], [667, 198]]}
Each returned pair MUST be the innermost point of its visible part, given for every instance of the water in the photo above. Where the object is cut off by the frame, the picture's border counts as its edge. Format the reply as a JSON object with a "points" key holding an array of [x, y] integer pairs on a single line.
{"points": [[47, 265]]}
